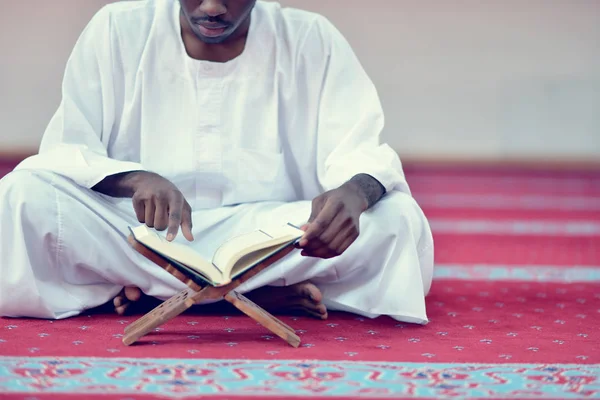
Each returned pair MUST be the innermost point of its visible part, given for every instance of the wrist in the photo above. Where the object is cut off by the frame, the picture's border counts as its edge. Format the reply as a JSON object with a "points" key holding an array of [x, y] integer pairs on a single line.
{"points": [[129, 182], [369, 188], [357, 190], [123, 184]]}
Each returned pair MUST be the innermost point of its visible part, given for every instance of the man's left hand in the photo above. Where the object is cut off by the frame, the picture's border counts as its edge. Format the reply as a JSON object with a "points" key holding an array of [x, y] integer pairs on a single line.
{"points": [[334, 222]]}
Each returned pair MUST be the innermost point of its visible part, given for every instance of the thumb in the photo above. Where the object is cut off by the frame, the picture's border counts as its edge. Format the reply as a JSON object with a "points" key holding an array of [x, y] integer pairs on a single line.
{"points": [[316, 207], [302, 228]]}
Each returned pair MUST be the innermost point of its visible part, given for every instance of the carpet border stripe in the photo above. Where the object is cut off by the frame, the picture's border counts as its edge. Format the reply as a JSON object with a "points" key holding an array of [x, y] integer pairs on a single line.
{"points": [[300, 378]]}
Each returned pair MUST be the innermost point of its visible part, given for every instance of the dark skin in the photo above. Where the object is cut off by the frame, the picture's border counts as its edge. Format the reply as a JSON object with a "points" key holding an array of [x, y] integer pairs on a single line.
{"points": [[332, 227], [334, 221], [156, 200], [216, 30]]}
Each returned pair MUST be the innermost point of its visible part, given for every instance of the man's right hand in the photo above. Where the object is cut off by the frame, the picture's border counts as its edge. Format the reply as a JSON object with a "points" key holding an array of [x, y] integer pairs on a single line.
{"points": [[158, 203], [156, 200]]}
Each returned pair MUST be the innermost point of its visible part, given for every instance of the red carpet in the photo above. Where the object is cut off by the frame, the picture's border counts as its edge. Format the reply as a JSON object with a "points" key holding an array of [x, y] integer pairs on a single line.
{"points": [[470, 322], [514, 309]]}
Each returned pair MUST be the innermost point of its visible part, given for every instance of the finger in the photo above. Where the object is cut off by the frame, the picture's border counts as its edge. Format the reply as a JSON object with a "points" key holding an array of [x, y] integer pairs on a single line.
{"points": [[344, 246], [321, 222], [161, 215], [315, 247], [175, 213], [312, 232], [316, 206], [312, 243], [321, 252], [149, 212], [340, 223], [348, 231], [186, 222], [139, 208], [297, 242]]}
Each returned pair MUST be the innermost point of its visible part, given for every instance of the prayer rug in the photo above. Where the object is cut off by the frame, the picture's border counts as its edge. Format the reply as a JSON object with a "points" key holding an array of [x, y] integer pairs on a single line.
{"points": [[514, 310]]}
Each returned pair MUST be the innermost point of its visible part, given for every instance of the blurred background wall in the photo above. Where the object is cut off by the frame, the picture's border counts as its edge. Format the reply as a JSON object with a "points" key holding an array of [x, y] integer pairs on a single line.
{"points": [[459, 79]]}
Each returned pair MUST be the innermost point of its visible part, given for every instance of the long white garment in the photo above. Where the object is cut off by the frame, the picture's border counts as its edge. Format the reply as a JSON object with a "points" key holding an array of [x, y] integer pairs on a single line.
{"points": [[248, 142]]}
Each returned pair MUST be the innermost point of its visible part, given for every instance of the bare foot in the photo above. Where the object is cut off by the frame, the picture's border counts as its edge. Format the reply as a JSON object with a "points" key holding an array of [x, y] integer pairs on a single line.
{"points": [[126, 298], [302, 297]]}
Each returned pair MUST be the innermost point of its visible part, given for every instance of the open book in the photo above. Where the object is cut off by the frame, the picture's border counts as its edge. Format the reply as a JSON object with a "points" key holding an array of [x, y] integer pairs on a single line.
{"points": [[234, 257]]}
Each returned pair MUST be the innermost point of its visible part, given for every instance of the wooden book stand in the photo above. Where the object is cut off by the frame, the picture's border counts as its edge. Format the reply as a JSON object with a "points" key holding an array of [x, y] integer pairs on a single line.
{"points": [[194, 294]]}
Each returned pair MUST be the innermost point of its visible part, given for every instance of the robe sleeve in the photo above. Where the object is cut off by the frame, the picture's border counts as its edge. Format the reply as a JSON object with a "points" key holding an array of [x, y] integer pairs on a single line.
{"points": [[350, 118], [76, 139]]}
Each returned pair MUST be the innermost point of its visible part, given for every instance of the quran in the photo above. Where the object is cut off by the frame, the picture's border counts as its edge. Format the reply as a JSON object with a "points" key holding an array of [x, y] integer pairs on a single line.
{"points": [[231, 259]]}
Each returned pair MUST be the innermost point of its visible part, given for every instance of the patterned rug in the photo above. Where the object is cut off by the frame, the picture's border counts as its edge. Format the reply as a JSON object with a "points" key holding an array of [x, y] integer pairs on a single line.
{"points": [[514, 309]]}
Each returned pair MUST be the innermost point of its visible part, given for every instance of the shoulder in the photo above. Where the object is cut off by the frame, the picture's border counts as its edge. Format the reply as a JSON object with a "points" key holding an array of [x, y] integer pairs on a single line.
{"points": [[121, 12], [126, 21], [122, 30], [301, 30]]}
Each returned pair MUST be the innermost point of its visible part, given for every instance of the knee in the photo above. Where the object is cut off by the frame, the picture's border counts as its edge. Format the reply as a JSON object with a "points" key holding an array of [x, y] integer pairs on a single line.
{"points": [[24, 187], [397, 213], [398, 223]]}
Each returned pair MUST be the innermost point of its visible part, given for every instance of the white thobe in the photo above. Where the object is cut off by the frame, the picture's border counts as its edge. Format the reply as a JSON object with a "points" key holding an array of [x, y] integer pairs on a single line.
{"points": [[249, 143]]}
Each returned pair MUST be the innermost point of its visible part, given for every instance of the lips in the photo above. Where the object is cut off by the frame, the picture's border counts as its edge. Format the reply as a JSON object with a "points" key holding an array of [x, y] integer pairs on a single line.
{"points": [[211, 26], [211, 30]]}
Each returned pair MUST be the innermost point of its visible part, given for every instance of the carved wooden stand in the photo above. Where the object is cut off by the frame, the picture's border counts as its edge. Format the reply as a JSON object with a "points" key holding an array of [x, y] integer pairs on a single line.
{"points": [[195, 294]]}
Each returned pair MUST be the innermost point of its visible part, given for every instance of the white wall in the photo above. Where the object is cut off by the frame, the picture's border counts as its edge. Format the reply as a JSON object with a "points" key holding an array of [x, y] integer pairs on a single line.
{"points": [[458, 79]]}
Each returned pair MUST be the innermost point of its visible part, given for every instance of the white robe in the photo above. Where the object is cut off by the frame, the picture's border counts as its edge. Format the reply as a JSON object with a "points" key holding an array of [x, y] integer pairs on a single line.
{"points": [[249, 142]]}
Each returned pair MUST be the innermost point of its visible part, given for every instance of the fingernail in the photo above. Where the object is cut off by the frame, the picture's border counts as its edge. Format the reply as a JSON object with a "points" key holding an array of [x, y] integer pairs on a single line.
{"points": [[170, 237]]}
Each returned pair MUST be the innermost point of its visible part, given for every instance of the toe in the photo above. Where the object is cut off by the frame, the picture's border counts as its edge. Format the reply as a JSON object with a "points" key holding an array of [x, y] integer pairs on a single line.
{"points": [[316, 315], [312, 307], [121, 310], [310, 291], [321, 309], [311, 312], [308, 304], [118, 301], [132, 293]]}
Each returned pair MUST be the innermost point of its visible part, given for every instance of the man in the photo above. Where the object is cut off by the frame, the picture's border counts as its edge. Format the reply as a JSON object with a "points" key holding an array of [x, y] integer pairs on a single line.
{"points": [[205, 119]]}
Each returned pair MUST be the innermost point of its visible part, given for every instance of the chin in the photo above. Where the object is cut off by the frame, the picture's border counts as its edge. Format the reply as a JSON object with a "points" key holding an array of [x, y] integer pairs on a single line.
{"points": [[212, 40]]}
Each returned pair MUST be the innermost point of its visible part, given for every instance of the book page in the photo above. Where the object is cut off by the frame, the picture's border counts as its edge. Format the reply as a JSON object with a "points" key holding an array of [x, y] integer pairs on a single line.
{"points": [[250, 260], [253, 240], [176, 251], [238, 243], [283, 230]]}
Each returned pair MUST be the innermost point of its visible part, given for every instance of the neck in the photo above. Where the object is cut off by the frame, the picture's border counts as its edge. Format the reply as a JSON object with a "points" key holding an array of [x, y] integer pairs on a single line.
{"points": [[216, 52]]}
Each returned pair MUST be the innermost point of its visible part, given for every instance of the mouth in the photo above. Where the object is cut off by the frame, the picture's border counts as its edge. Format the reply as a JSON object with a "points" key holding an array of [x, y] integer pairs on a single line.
{"points": [[211, 30]]}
